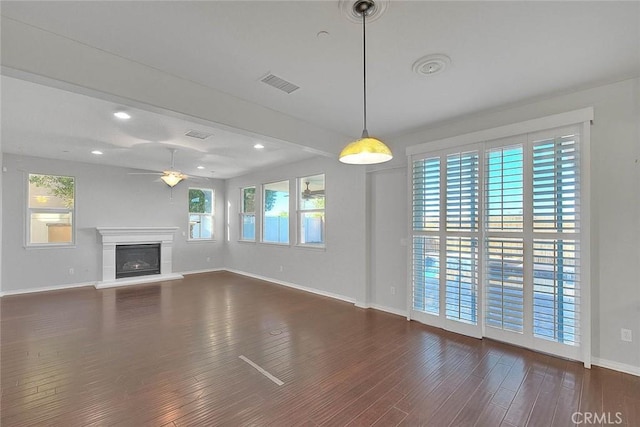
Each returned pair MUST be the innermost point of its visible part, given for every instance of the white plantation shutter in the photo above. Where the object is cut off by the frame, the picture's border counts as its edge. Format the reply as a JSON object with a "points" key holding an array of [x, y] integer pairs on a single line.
{"points": [[504, 188], [426, 221], [504, 284], [497, 239], [462, 279], [556, 293], [462, 191], [555, 185], [504, 216], [556, 260], [426, 274], [426, 194]]}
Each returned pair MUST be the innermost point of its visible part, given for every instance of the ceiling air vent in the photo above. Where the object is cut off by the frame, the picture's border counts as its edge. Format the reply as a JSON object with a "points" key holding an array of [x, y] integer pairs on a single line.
{"points": [[198, 134], [279, 83]]}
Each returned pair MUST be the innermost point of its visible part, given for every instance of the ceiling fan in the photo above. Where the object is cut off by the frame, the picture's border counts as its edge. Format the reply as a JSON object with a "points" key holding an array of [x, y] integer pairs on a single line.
{"points": [[170, 176], [311, 194]]}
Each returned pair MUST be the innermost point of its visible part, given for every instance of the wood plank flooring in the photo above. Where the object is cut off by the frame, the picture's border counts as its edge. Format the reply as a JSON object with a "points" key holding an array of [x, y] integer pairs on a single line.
{"points": [[167, 354]]}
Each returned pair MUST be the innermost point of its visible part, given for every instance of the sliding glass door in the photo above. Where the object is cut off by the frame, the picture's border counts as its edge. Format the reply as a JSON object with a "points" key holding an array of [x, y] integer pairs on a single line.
{"points": [[496, 247]]}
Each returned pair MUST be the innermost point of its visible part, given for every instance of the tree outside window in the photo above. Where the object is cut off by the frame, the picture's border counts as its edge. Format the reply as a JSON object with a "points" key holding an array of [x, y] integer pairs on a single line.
{"points": [[50, 207], [200, 214], [248, 214]]}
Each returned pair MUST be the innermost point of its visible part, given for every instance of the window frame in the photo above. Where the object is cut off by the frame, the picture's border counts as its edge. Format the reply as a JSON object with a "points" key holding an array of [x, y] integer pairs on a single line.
{"points": [[29, 211], [263, 213], [242, 214], [211, 215], [300, 212]]}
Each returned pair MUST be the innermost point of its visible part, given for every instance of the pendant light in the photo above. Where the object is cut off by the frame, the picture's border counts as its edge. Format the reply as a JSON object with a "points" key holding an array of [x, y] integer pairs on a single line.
{"points": [[366, 150]]}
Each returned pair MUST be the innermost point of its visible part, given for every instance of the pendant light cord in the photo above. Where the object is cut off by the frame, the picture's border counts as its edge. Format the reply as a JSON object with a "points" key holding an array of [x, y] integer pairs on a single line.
{"points": [[365, 133]]}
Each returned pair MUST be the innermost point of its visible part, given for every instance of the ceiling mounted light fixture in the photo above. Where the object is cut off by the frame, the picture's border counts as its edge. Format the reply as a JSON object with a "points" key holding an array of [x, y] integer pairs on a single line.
{"points": [[366, 150], [122, 115], [172, 177]]}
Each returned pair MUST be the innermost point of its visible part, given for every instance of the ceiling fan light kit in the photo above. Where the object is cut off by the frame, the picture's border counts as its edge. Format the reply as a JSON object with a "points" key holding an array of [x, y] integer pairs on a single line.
{"points": [[172, 178], [366, 150]]}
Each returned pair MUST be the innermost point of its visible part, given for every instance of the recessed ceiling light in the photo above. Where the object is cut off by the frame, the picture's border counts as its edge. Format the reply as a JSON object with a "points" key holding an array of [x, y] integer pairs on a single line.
{"points": [[122, 115], [96, 152], [200, 167], [258, 146]]}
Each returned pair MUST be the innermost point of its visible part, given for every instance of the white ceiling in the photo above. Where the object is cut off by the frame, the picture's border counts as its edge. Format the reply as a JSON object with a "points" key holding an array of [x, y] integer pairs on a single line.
{"points": [[502, 53], [47, 122]]}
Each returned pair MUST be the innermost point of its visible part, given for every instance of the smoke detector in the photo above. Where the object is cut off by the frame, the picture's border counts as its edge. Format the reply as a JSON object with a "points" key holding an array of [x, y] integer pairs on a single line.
{"points": [[431, 64]]}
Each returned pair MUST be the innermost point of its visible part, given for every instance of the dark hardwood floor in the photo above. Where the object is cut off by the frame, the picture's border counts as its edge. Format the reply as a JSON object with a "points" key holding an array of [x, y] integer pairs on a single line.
{"points": [[168, 354]]}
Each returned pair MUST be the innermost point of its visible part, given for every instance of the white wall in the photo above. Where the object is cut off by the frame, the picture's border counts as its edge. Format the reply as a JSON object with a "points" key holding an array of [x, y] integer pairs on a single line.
{"points": [[105, 196], [388, 237], [615, 228], [340, 268]]}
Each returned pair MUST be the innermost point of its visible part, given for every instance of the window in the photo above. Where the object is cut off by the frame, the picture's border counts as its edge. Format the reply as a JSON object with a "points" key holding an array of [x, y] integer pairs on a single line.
{"points": [[311, 222], [200, 214], [248, 214], [275, 218], [51, 201], [496, 240]]}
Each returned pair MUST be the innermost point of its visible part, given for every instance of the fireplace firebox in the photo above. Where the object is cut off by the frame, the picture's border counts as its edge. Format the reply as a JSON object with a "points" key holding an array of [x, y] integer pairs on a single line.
{"points": [[137, 260]]}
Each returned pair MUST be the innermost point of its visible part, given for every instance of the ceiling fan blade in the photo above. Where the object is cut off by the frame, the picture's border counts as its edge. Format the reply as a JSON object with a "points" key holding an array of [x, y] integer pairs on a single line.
{"points": [[145, 173]]}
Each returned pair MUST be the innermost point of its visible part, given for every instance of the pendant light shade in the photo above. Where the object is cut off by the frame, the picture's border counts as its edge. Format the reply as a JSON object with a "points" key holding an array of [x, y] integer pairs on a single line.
{"points": [[366, 150]]}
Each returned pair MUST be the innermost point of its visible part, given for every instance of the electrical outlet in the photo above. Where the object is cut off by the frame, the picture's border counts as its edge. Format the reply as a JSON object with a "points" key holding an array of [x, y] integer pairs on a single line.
{"points": [[625, 335], [281, 268], [393, 290], [208, 259], [72, 271]]}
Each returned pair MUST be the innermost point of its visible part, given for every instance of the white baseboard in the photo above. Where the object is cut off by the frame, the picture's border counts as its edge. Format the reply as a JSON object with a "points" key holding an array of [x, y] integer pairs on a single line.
{"points": [[293, 285], [138, 280], [616, 366], [45, 289], [391, 310], [208, 270]]}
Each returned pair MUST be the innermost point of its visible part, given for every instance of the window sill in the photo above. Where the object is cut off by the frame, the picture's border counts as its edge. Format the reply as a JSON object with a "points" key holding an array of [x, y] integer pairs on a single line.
{"points": [[322, 248], [201, 241], [51, 246], [276, 244], [252, 242]]}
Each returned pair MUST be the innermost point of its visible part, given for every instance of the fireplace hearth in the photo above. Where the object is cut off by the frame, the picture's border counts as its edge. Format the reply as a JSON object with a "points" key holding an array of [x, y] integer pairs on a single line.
{"points": [[137, 260]]}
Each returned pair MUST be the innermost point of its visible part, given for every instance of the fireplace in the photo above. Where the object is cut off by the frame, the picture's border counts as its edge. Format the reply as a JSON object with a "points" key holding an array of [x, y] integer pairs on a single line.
{"points": [[146, 255], [137, 260]]}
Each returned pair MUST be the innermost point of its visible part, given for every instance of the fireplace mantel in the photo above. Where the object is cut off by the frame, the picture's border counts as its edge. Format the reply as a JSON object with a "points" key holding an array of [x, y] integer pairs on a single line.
{"points": [[112, 236]]}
